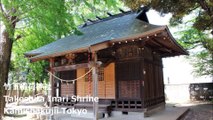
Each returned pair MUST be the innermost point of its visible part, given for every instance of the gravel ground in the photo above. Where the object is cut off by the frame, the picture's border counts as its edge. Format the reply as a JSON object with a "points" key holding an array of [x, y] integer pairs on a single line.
{"points": [[199, 112]]}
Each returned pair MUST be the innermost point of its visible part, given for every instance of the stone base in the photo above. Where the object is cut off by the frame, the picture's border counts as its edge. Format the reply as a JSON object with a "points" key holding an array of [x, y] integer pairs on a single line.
{"points": [[149, 111], [146, 112], [120, 113]]}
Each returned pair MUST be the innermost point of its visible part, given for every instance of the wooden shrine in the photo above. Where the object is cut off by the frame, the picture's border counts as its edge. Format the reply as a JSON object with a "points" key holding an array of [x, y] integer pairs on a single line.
{"points": [[130, 49]]}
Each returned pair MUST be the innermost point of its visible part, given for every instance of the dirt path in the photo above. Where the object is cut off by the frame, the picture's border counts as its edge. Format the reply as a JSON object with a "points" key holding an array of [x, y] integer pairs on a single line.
{"points": [[199, 111]]}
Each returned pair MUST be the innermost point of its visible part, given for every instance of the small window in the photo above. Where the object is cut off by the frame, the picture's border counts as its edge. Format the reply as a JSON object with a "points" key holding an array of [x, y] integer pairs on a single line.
{"points": [[100, 74]]}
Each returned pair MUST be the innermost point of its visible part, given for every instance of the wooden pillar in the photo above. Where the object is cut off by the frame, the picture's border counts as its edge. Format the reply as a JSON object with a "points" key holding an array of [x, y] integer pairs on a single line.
{"points": [[95, 86], [142, 82], [51, 80]]}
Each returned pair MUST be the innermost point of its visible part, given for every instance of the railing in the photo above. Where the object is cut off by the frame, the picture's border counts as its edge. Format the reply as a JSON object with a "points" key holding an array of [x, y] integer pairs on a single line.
{"points": [[127, 104]]}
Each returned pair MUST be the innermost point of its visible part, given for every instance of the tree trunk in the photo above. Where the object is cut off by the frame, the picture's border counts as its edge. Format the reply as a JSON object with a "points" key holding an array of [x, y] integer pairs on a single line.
{"points": [[5, 54]]}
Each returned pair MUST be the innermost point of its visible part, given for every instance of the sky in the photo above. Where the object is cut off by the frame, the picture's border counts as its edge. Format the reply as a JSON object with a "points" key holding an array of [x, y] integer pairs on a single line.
{"points": [[177, 70]]}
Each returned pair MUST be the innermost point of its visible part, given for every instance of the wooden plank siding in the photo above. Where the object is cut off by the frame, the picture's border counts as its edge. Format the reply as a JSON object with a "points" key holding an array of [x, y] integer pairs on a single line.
{"points": [[109, 76], [128, 76], [81, 83], [153, 79], [106, 88]]}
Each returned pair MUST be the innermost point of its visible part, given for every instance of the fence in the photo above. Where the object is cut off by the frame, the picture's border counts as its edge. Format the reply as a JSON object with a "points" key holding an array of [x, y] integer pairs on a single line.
{"points": [[201, 91], [191, 91]]}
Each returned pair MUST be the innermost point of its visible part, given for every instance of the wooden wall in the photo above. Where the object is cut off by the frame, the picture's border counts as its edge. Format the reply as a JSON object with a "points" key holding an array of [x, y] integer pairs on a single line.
{"points": [[129, 59], [81, 83], [106, 88], [153, 78], [128, 76], [109, 77], [139, 78]]}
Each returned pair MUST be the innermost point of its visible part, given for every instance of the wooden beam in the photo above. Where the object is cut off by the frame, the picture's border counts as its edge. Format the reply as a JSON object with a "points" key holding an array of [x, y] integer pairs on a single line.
{"points": [[71, 67], [156, 43], [99, 46], [76, 66], [165, 47]]}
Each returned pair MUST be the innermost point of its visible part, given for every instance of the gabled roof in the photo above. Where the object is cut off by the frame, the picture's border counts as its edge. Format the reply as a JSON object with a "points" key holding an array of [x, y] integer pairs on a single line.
{"points": [[118, 28]]}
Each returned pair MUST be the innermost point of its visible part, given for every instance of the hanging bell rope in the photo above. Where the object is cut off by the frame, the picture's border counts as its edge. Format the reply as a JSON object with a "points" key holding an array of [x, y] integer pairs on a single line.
{"points": [[89, 77]]}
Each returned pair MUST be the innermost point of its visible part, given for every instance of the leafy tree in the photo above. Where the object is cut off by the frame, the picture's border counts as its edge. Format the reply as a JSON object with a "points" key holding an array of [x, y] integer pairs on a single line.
{"points": [[197, 34], [179, 9], [35, 37], [19, 14], [25, 23], [200, 46]]}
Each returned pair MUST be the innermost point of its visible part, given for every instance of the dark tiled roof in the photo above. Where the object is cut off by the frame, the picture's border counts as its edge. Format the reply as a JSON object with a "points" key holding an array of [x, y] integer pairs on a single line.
{"points": [[118, 27]]}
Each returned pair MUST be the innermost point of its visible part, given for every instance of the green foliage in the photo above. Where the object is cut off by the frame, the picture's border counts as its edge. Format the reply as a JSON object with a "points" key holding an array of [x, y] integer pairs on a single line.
{"points": [[202, 63], [179, 9], [200, 45], [22, 66], [39, 22], [195, 34], [191, 37]]}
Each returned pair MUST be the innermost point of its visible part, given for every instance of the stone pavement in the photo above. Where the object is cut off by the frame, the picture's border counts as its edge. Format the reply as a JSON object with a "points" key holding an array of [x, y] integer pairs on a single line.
{"points": [[170, 113]]}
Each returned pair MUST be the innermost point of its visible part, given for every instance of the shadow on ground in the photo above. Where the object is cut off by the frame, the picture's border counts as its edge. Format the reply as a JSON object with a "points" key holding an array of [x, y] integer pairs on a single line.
{"points": [[198, 111]]}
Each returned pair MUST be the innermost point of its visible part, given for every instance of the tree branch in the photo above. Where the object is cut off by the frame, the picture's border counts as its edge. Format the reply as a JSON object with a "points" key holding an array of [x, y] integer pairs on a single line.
{"points": [[194, 42], [15, 20], [194, 46], [2, 10], [18, 37], [194, 8], [204, 6]]}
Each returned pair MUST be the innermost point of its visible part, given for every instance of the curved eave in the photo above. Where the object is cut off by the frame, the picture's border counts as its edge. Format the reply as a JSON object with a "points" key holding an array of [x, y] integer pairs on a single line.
{"points": [[43, 57], [181, 49], [31, 54]]}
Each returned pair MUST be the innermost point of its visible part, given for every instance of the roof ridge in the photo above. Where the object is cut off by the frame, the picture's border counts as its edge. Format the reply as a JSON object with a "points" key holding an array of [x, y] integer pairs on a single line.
{"points": [[99, 19], [111, 16]]}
